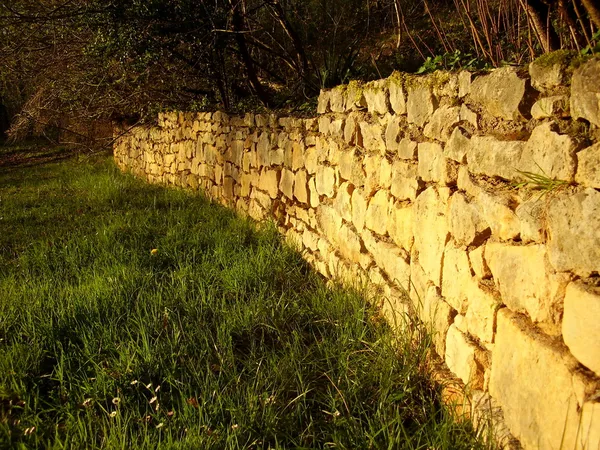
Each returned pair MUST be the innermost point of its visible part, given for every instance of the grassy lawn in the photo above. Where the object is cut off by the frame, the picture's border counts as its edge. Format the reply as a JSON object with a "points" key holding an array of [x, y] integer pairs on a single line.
{"points": [[220, 338]]}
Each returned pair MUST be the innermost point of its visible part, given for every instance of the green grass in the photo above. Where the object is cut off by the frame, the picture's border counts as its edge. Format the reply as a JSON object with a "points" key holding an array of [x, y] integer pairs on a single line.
{"points": [[222, 339]]}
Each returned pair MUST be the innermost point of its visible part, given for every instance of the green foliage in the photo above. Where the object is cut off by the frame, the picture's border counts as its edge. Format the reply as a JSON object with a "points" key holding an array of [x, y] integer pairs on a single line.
{"points": [[135, 316], [594, 47], [452, 61]]}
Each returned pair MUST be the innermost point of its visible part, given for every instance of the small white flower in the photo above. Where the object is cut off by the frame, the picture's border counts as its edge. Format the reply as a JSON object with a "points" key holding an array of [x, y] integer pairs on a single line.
{"points": [[160, 425], [153, 399], [112, 414], [116, 401]]}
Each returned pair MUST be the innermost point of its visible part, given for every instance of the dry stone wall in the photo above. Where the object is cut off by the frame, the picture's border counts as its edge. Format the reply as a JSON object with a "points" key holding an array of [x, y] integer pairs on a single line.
{"points": [[417, 185]]}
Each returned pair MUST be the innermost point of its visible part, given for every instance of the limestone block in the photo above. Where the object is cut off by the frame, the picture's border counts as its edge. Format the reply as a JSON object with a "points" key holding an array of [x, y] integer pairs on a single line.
{"points": [[588, 167], [479, 264], [437, 314], [549, 106], [407, 149], [246, 184], [351, 168], [573, 240], [264, 200], [359, 209], [329, 221], [336, 128], [460, 357], [351, 131], [355, 99], [548, 71], [430, 226], [466, 224], [377, 212], [589, 428], [526, 281], [500, 93], [349, 244], [421, 105], [373, 171], [377, 97], [457, 146], [456, 278], [343, 201], [481, 315], [466, 115], [301, 186], [489, 156], [406, 183], [531, 218], [337, 100], [397, 96], [442, 123], [311, 161], [324, 122], [585, 92], [389, 258], [314, 195], [532, 380], [464, 83], [372, 136], [580, 324], [323, 104], [549, 153], [399, 225], [286, 184], [433, 165], [263, 148], [325, 181], [310, 240], [276, 157], [298, 150], [393, 134]]}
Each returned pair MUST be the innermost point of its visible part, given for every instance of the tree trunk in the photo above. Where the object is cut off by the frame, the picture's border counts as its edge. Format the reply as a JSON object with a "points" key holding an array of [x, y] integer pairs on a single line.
{"points": [[593, 10], [539, 15]]}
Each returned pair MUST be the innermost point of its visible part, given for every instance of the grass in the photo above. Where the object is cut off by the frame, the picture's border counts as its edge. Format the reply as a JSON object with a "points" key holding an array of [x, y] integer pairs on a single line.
{"points": [[221, 338]]}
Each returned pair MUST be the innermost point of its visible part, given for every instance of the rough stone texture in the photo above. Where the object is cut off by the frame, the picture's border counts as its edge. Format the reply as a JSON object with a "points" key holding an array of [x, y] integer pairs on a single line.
{"points": [[466, 224], [531, 217], [573, 239], [405, 180], [269, 181], [526, 281], [585, 92], [400, 225], [323, 105], [580, 328], [499, 93], [359, 209], [421, 105], [407, 149], [549, 106], [325, 181], [464, 83], [372, 136], [397, 97], [495, 158], [481, 315], [329, 221], [479, 264], [343, 201], [286, 185], [431, 230], [466, 115], [549, 153], [377, 97], [390, 258], [442, 123], [533, 383], [301, 186], [588, 167], [436, 314], [460, 357], [457, 146], [433, 165], [351, 168], [456, 278], [393, 134], [377, 213], [547, 72], [349, 244]]}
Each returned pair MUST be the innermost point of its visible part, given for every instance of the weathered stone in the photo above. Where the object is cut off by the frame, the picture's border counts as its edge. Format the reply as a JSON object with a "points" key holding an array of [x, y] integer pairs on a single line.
{"points": [[323, 104], [310, 240], [488, 420], [378, 174], [580, 324], [431, 230], [298, 150], [407, 149], [466, 224], [343, 201], [397, 97], [324, 123], [530, 214], [436, 314], [460, 358], [589, 427], [549, 107], [433, 165], [314, 195], [301, 186], [286, 184], [329, 221], [481, 315], [393, 133], [390, 258], [478, 263], [500, 93], [585, 92], [550, 153], [336, 128], [359, 209], [532, 380], [456, 278], [399, 225], [547, 72], [588, 167], [442, 123], [349, 244], [325, 181], [351, 168], [351, 131], [421, 105], [372, 136], [526, 281], [405, 180], [376, 95], [489, 156], [466, 115], [464, 83], [573, 222], [336, 100], [377, 212], [457, 146], [355, 99]]}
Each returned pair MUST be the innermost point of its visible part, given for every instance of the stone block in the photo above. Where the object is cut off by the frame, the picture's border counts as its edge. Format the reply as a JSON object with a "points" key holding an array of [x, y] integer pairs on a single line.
{"points": [[460, 356], [377, 97], [526, 281], [548, 71], [337, 100], [442, 123], [478, 263], [323, 104], [397, 96], [359, 209], [437, 315], [531, 217], [430, 225], [314, 195], [466, 115], [456, 278], [325, 181], [421, 105], [466, 224], [464, 83], [349, 244], [481, 315], [433, 165], [399, 225], [372, 136], [301, 186], [457, 146], [406, 183], [389, 258], [580, 328], [329, 221], [286, 184], [298, 150], [500, 93], [588, 166], [269, 182], [351, 168], [377, 212], [585, 92], [407, 149], [311, 160], [550, 107], [548, 153], [573, 239], [489, 156], [310, 240], [533, 381], [351, 131], [343, 201], [393, 134]]}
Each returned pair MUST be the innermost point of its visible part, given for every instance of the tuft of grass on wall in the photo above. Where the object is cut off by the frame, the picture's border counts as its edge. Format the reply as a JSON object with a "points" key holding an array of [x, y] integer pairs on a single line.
{"points": [[135, 316]]}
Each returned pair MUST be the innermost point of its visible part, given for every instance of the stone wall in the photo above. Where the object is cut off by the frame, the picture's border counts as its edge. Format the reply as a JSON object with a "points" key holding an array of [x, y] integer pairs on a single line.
{"points": [[417, 185]]}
